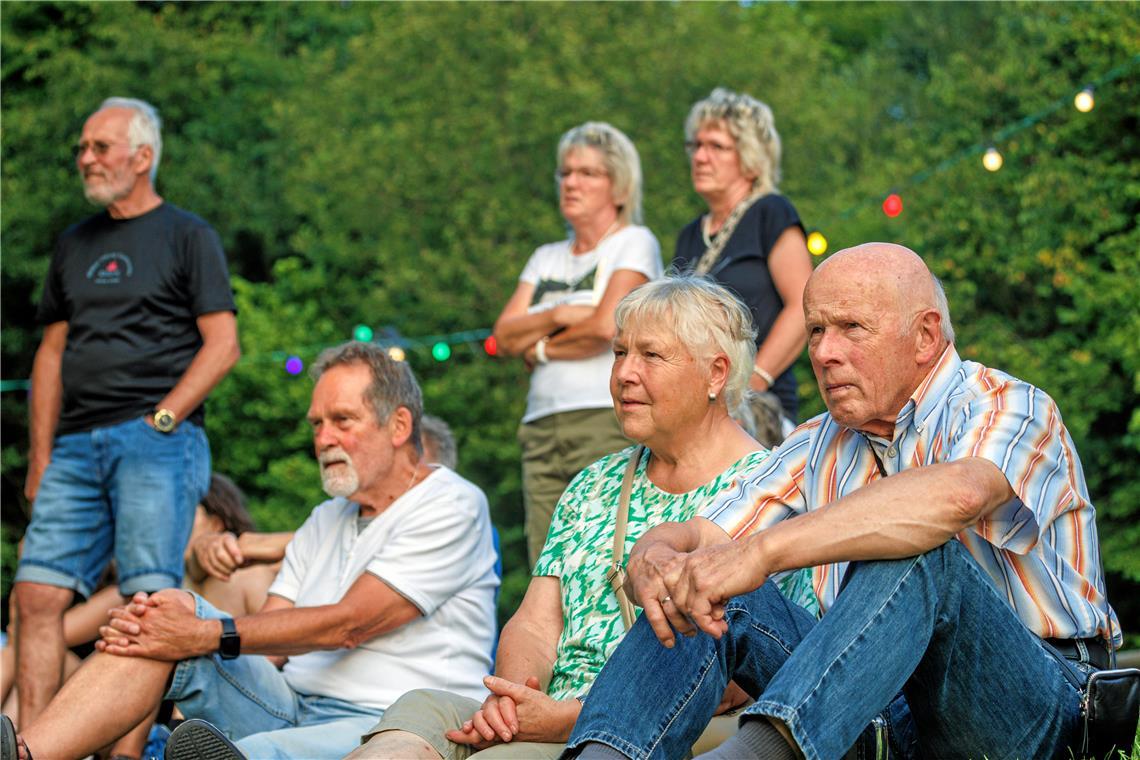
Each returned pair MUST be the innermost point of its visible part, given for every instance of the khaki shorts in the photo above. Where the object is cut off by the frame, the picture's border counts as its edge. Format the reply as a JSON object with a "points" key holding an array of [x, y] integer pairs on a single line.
{"points": [[555, 449], [430, 714]]}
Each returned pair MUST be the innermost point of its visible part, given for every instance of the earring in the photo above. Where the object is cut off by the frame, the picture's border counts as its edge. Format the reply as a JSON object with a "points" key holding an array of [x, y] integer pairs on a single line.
{"points": [[712, 398]]}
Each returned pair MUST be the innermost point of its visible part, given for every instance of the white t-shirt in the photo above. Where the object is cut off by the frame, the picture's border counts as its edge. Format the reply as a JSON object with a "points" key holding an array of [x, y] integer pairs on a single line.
{"points": [[561, 277], [433, 546]]}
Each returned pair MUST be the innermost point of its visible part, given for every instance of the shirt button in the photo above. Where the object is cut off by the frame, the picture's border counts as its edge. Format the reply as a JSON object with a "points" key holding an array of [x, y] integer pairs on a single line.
{"points": [[890, 452], [919, 427]]}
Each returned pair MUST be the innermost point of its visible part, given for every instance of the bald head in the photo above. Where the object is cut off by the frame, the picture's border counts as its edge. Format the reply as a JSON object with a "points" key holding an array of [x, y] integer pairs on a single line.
{"points": [[896, 273], [877, 324]]}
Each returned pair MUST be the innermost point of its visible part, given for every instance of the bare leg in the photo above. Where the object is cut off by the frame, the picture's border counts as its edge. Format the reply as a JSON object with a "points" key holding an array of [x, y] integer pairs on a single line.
{"points": [[127, 687], [395, 744], [39, 644], [133, 744]]}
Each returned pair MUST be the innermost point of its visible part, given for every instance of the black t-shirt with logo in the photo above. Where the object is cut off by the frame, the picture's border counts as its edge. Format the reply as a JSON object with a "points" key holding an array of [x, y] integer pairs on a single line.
{"points": [[743, 269], [131, 291]]}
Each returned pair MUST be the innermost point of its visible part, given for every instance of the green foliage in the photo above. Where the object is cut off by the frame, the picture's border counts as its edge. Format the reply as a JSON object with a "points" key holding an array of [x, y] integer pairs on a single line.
{"points": [[390, 164]]}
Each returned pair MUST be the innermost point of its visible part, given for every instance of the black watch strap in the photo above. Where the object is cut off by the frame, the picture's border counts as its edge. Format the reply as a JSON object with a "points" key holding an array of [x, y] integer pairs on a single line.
{"points": [[229, 647]]}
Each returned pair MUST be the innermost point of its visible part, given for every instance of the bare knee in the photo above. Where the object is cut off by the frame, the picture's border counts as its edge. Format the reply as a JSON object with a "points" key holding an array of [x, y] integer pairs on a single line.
{"points": [[39, 602], [387, 745]]}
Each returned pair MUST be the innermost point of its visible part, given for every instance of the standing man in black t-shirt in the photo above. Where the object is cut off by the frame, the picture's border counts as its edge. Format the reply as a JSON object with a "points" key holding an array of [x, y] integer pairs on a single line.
{"points": [[139, 326]]}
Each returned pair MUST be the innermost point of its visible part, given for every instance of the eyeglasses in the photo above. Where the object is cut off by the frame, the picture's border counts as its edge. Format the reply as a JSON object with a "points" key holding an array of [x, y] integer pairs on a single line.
{"points": [[586, 173], [717, 149], [99, 147]]}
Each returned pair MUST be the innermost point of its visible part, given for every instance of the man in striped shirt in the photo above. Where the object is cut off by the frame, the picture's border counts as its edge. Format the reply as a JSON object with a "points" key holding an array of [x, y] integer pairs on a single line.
{"points": [[943, 509]]}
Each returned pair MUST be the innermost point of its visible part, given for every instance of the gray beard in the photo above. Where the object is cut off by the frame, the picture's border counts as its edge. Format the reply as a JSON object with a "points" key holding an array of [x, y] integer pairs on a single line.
{"points": [[103, 196], [343, 483]]}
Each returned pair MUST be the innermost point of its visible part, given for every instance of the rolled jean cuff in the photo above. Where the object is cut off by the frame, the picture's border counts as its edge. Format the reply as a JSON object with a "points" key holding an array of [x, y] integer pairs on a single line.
{"points": [[33, 572], [148, 582]]}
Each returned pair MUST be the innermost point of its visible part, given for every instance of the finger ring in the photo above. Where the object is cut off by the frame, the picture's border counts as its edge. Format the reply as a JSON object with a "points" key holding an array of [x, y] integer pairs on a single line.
{"points": [[667, 599]]}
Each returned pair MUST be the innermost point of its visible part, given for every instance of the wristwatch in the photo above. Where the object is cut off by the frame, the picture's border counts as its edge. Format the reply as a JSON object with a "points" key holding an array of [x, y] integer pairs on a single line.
{"points": [[164, 420], [229, 647]]}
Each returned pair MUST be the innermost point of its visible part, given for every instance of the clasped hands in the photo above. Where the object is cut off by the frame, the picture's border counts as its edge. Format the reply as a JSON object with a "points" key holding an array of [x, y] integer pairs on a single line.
{"points": [[683, 592], [160, 626], [517, 712]]}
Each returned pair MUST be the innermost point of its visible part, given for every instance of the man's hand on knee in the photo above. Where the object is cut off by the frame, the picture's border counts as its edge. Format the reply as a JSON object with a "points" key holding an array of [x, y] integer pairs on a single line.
{"points": [[160, 626]]}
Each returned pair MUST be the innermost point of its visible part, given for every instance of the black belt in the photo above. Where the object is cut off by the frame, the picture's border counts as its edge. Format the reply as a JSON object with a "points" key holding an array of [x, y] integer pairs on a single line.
{"points": [[1095, 652]]}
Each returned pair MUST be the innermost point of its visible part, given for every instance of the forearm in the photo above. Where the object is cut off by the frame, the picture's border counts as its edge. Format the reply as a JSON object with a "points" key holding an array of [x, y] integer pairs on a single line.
{"points": [[576, 343], [514, 335], [524, 652], [218, 354], [904, 515], [687, 536], [784, 343], [46, 401], [307, 629], [264, 547]]}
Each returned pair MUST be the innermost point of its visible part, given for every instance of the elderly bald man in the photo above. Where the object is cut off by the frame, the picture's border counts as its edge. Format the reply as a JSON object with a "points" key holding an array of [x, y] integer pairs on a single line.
{"points": [[942, 507]]}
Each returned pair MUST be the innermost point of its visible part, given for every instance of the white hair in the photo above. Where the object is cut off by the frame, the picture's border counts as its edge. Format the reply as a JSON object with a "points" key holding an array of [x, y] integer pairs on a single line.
{"points": [[145, 127], [705, 318], [943, 307]]}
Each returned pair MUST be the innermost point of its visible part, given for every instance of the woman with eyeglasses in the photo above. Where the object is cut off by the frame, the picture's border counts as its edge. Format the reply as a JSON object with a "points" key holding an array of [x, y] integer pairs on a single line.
{"points": [[561, 316], [750, 240]]}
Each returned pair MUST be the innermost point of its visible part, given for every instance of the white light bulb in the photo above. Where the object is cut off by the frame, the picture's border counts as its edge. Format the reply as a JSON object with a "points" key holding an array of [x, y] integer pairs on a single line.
{"points": [[992, 160], [1084, 101]]}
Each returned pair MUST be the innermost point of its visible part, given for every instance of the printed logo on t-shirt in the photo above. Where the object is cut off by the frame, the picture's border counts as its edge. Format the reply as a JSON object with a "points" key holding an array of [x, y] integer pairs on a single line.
{"points": [[549, 292], [111, 268]]}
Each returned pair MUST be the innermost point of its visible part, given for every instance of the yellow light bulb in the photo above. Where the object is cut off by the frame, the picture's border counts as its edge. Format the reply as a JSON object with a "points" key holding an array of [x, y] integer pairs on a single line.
{"points": [[816, 243], [1084, 101], [396, 353], [992, 160]]}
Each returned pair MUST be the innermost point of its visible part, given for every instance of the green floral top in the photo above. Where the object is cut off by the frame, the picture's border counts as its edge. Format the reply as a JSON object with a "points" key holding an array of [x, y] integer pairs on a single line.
{"points": [[579, 546]]}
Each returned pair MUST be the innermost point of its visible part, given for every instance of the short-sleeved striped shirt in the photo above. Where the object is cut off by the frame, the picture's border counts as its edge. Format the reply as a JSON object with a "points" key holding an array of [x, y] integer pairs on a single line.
{"points": [[1040, 548], [580, 546]]}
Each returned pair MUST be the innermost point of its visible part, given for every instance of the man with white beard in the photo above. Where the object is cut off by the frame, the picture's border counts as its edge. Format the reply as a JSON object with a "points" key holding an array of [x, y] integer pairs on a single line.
{"points": [[138, 327], [388, 586]]}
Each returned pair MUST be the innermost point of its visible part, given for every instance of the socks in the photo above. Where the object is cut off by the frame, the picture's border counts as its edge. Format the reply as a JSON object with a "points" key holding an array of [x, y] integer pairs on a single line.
{"points": [[599, 751], [757, 739]]}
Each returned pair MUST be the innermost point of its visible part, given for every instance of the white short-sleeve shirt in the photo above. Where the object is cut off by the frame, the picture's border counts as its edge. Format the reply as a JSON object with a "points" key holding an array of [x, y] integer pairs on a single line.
{"points": [[434, 547], [562, 277]]}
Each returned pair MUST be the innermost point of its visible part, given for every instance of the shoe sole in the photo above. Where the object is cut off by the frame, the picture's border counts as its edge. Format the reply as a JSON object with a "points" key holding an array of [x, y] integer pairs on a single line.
{"points": [[8, 749], [198, 740]]}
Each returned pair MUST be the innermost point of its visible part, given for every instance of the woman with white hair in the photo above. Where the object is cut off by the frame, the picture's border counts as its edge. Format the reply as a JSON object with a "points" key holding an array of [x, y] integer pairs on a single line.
{"points": [[682, 358], [751, 239], [560, 318]]}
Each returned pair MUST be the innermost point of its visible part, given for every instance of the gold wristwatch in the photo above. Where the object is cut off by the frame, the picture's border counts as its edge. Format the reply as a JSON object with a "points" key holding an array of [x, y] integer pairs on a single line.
{"points": [[164, 420]]}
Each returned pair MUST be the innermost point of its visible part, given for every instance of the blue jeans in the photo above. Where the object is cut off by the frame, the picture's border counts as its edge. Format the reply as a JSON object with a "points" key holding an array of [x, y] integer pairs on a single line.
{"points": [[978, 683], [124, 490], [249, 701]]}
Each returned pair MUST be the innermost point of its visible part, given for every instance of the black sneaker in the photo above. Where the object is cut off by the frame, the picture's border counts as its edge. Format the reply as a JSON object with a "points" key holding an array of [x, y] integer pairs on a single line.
{"points": [[197, 740], [8, 748]]}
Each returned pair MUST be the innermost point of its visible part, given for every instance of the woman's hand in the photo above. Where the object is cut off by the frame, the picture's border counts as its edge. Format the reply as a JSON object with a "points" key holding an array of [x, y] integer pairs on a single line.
{"points": [[517, 712], [734, 698]]}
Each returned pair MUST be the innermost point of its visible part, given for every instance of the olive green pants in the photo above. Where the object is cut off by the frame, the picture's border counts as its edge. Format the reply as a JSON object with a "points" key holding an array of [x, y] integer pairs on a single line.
{"points": [[555, 448], [430, 714]]}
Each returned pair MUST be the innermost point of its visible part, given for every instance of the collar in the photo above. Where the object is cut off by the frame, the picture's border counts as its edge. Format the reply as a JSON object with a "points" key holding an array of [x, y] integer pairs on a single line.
{"points": [[926, 399]]}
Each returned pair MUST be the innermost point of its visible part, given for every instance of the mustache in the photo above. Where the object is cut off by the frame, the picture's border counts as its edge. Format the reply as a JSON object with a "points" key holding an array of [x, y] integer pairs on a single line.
{"points": [[332, 456]]}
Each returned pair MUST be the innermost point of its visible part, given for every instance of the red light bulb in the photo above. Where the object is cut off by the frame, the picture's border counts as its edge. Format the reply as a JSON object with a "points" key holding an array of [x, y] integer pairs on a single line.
{"points": [[892, 206]]}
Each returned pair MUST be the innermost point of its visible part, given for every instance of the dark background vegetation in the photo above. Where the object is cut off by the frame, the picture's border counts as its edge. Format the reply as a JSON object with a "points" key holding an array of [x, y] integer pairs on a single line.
{"points": [[391, 165]]}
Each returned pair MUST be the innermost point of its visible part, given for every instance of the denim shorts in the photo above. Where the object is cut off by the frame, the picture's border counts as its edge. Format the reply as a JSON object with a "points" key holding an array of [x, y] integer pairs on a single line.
{"points": [[250, 701], [124, 491]]}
